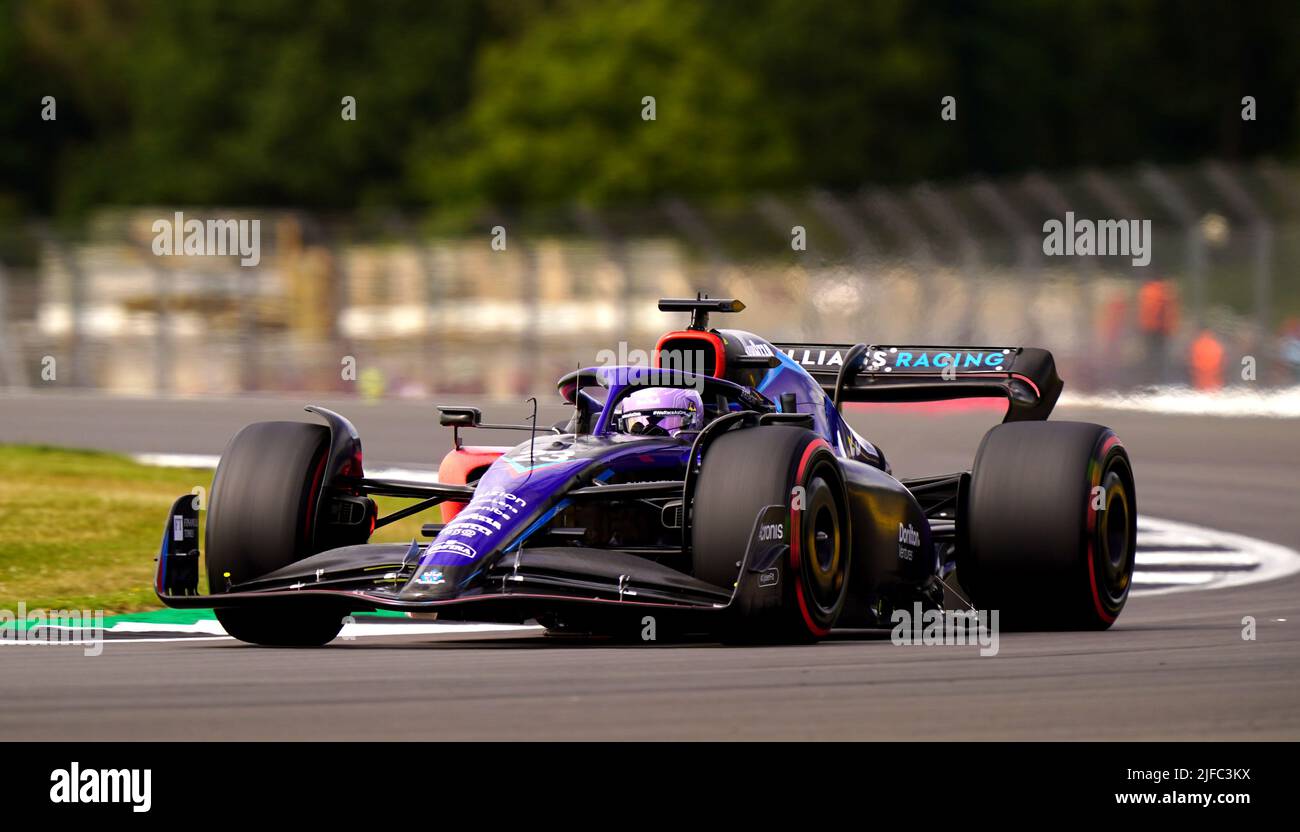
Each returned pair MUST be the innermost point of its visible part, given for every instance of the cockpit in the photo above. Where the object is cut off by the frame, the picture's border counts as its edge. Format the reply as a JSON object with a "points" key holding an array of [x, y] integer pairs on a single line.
{"points": [[649, 400]]}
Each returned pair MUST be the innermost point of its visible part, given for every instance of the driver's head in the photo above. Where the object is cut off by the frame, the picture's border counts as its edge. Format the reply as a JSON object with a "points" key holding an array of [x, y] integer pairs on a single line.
{"points": [[660, 411]]}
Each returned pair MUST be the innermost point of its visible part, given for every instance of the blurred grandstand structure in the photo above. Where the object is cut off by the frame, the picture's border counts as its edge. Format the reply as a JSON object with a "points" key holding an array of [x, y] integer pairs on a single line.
{"points": [[418, 312]]}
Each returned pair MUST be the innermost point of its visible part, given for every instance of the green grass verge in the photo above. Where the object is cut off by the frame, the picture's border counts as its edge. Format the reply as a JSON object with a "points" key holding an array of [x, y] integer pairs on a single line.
{"points": [[79, 529]]}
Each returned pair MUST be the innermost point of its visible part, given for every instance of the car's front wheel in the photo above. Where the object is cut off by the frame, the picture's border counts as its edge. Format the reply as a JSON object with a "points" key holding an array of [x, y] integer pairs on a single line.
{"points": [[292, 625], [262, 516], [800, 597]]}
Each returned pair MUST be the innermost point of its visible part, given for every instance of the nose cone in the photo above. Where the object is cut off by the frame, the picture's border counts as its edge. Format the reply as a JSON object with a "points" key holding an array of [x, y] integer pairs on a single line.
{"points": [[509, 501]]}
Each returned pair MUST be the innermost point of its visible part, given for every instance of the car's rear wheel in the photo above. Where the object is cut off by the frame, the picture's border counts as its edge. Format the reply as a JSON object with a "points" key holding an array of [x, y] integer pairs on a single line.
{"points": [[1052, 526], [801, 596], [262, 516]]}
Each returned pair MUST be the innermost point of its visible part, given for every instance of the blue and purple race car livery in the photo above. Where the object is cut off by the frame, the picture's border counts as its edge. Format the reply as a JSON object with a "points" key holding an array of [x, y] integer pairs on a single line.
{"points": [[719, 490]]}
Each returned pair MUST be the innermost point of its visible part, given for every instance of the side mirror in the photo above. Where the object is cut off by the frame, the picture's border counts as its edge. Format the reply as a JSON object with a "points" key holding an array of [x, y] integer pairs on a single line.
{"points": [[459, 417], [471, 417]]}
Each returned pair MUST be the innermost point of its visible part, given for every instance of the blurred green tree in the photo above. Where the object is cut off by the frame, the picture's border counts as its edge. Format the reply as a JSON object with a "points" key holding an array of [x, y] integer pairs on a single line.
{"points": [[561, 112], [759, 94], [462, 103], [239, 101]]}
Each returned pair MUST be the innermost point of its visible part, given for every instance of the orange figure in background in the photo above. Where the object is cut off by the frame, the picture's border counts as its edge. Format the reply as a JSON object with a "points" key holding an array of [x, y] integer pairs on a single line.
{"points": [[1158, 307], [1158, 318], [1207, 362]]}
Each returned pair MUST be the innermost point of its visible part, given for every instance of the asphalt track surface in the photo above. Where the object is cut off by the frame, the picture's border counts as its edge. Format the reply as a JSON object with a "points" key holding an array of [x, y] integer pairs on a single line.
{"points": [[1173, 667]]}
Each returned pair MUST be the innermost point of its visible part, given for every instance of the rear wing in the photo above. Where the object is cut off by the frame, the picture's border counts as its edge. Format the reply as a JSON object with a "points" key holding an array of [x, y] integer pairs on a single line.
{"points": [[1024, 376]]}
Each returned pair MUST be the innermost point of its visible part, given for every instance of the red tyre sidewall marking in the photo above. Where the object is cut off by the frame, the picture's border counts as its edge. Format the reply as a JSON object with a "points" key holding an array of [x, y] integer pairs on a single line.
{"points": [[796, 542], [313, 497], [1110, 442]]}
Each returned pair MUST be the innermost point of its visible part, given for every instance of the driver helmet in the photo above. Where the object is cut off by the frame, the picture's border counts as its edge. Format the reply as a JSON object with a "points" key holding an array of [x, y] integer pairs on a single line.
{"points": [[660, 411]]}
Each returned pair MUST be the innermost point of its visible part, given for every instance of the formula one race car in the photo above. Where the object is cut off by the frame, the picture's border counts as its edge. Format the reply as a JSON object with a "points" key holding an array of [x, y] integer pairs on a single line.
{"points": [[718, 490]]}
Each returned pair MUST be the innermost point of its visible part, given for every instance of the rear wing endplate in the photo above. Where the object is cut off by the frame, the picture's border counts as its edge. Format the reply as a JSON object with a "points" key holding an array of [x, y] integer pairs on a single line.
{"points": [[1024, 376]]}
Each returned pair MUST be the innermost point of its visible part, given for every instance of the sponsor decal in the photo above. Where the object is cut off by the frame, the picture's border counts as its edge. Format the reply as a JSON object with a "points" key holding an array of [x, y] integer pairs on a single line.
{"points": [[181, 524], [466, 529], [771, 532], [817, 358], [500, 497], [529, 457], [475, 515], [486, 515], [902, 358], [454, 547], [431, 578], [908, 539], [899, 359], [495, 510], [769, 577]]}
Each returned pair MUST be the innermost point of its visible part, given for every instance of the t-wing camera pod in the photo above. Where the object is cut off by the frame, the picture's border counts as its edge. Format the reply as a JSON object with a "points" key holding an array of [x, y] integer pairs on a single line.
{"points": [[700, 307]]}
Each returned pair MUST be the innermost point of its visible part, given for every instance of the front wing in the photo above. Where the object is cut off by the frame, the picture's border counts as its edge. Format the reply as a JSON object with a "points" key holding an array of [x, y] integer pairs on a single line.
{"points": [[371, 576]]}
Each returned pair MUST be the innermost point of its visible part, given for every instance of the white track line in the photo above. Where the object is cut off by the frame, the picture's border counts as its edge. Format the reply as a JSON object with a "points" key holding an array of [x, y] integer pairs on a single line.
{"points": [[1151, 583], [355, 629], [178, 460], [1212, 560], [1158, 546], [211, 630], [44, 643], [1278, 403]]}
